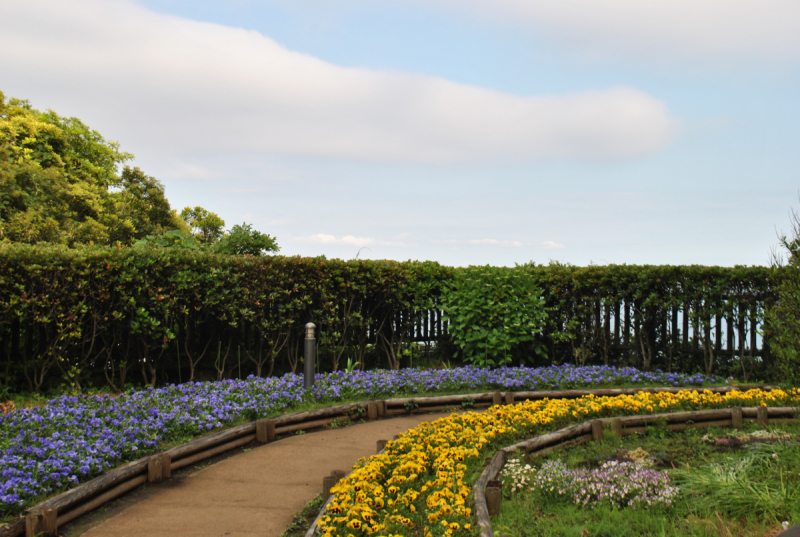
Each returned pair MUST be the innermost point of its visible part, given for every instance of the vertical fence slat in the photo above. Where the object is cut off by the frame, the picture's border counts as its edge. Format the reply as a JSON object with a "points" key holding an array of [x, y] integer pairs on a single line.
{"points": [[730, 346], [626, 333], [675, 333], [685, 326]]}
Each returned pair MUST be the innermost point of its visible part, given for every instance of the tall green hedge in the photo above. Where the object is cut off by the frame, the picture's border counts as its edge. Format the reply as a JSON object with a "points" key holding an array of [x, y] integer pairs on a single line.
{"points": [[98, 314]]}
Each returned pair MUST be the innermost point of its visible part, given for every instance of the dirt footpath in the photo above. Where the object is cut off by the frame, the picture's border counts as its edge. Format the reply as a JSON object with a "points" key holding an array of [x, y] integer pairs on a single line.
{"points": [[254, 493]]}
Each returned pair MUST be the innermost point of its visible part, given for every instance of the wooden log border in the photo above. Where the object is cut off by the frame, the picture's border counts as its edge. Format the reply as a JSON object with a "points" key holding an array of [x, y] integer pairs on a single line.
{"points": [[94, 493], [585, 432]]}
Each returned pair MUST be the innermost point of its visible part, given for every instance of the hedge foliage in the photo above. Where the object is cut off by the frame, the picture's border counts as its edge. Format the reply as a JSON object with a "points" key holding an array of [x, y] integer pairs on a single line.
{"points": [[96, 314], [77, 311], [783, 317], [494, 314]]}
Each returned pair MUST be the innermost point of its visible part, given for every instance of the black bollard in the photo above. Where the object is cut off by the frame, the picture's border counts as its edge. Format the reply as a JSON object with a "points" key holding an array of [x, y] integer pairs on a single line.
{"points": [[310, 356]]}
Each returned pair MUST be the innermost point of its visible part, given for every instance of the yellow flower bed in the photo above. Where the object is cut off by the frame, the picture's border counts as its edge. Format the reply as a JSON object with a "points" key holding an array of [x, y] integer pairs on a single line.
{"points": [[417, 486]]}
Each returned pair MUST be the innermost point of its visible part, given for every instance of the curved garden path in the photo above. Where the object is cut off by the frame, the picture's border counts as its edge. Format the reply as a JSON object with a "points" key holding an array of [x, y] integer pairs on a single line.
{"points": [[255, 492]]}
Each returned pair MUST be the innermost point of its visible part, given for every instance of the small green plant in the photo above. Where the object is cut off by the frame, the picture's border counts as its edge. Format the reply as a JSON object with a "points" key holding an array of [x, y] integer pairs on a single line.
{"points": [[302, 521], [467, 402], [351, 365], [410, 405], [339, 422], [299, 432]]}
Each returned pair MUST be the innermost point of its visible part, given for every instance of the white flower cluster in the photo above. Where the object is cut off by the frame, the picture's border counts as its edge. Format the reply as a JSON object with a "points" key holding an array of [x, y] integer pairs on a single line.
{"points": [[517, 476]]}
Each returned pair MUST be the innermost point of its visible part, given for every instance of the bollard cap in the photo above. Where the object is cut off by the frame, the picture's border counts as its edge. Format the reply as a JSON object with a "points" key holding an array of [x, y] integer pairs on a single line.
{"points": [[310, 330]]}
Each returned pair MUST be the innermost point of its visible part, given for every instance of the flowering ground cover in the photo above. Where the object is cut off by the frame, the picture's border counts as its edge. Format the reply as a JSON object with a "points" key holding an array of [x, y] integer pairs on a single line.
{"points": [[617, 484], [697, 482], [421, 484], [69, 440]]}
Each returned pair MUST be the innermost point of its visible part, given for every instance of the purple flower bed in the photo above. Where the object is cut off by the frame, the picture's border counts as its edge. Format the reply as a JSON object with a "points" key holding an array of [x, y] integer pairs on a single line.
{"points": [[410, 381], [71, 440]]}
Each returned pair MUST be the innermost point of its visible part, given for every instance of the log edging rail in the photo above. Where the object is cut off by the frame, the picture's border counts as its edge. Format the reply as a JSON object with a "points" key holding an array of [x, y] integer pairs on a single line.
{"points": [[90, 495], [580, 433]]}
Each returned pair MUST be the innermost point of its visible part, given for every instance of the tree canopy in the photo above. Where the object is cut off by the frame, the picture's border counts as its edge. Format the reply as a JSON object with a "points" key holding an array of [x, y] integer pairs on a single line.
{"points": [[61, 182], [243, 240]]}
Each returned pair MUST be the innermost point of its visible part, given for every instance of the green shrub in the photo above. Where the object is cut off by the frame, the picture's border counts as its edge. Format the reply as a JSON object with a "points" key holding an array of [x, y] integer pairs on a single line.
{"points": [[495, 314]]}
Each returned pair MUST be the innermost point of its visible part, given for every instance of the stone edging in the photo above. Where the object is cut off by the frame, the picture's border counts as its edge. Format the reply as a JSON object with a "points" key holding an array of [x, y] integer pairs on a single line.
{"points": [[593, 430], [71, 504]]}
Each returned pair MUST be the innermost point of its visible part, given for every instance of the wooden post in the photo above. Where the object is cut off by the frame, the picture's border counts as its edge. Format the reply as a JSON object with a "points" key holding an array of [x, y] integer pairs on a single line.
{"points": [[509, 398], [497, 398], [265, 431], [380, 445], [616, 427], [736, 417], [33, 525], [155, 474], [50, 522], [338, 474], [381, 408], [597, 430], [493, 498], [261, 431], [43, 522], [327, 483], [762, 417], [372, 410], [166, 465]]}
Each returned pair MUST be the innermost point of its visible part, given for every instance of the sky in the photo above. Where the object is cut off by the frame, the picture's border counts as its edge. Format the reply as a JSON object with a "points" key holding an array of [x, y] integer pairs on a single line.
{"points": [[466, 132]]}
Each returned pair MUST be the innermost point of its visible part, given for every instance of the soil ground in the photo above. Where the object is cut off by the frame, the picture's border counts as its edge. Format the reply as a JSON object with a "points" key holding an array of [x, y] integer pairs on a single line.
{"points": [[248, 492]]}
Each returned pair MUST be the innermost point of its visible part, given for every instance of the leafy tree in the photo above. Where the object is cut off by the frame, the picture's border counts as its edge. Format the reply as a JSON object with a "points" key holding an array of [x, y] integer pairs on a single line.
{"points": [[783, 317], [243, 240], [141, 200], [59, 183], [206, 225]]}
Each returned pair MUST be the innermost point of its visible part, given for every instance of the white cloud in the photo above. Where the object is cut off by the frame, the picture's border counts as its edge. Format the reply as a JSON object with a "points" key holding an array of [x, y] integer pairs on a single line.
{"points": [[357, 241], [169, 85], [322, 238], [550, 245], [767, 29], [495, 242], [350, 240]]}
